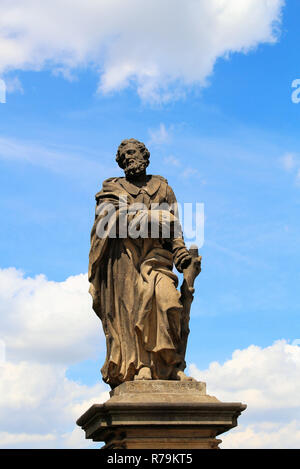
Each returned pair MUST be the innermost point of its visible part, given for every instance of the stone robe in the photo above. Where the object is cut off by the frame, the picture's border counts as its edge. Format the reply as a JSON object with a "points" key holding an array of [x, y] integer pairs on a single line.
{"points": [[134, 289]]}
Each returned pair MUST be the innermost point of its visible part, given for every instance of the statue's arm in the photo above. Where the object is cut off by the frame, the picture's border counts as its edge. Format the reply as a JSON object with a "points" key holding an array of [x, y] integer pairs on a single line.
{"points": [[181, 255], [107, 195]]}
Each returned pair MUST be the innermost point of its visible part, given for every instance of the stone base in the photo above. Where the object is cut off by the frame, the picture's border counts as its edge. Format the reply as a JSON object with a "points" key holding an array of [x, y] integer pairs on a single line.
{"points": [[160, 415]]}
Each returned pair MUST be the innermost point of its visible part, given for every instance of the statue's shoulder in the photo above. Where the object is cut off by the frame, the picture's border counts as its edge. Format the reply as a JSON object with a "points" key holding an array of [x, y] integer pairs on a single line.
{"points": [[160, 179], [107, 186], [110, 183], [111, 180]]}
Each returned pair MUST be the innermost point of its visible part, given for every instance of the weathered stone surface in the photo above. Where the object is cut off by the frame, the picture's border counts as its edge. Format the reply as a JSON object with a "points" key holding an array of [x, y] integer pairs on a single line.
{"points": [[159, 415], [161, 392], [159, 386]]}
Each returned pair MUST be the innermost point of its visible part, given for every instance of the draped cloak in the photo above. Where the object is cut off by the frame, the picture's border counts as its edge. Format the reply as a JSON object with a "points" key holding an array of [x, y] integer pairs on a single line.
{"points": [[134, 289]]}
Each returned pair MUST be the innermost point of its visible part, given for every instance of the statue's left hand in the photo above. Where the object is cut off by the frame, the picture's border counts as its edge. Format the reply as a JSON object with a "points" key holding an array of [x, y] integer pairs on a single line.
{"points": [[183, 261]]}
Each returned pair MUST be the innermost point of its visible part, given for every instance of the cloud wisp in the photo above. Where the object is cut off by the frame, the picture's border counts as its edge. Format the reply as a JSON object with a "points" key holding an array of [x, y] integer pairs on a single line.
{"points": [[159, 136], [291, 164], [61, 161]]}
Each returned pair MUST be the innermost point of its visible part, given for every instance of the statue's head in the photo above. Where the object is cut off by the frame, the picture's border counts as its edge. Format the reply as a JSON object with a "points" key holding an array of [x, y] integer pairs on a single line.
{"points": [[133, 157]]}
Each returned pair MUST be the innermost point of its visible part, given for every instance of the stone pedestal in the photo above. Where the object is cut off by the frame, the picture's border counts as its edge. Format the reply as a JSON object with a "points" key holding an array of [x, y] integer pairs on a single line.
{"points": [[160, 415]]}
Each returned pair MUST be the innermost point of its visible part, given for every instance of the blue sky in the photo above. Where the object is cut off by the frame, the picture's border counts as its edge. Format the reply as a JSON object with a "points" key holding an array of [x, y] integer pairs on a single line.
{"points": [[226, 136]]}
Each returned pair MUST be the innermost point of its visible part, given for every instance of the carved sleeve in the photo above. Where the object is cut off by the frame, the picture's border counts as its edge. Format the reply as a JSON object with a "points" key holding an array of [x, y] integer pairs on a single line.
{"points": [[179, 249]]}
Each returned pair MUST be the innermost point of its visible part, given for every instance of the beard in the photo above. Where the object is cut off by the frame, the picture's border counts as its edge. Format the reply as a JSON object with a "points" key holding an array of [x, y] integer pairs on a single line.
{"points": [[135, 169]]}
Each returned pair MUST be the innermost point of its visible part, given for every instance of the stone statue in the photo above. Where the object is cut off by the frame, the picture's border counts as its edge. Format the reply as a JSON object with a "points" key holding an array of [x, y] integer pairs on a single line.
{"points": [[135, 242], [133, 286]]}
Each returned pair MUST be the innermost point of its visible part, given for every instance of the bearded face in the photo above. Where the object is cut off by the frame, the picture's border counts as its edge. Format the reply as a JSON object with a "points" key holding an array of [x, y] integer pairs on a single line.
{"points": [[133, 161], [135, 167]]}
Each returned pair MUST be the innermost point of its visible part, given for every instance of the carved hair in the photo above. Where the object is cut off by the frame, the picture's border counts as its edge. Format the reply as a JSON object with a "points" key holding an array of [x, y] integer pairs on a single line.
{"points": [[140, 146]]}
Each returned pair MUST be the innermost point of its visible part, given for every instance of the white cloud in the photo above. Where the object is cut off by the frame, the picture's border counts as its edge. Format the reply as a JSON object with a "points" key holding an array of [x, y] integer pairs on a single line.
{"points": [[159, 45], [171, 160], [289, 161], [39, 406], [13, 85], [49, 325], [267, 380], [159, 136], [46, 326], [190, 172], [46, 321], [264, 436], [9, 439]]}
